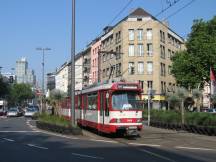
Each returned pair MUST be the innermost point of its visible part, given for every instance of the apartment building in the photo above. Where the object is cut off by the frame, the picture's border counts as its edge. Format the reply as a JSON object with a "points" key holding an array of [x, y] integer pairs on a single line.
{"points": [[95, 48], [61, 78], [87, 78], [23, 73], [143, 47]]}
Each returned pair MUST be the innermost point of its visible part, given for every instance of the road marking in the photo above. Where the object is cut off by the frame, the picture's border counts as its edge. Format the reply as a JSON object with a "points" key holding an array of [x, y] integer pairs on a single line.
{"points": [[8, 139], [87, 156], [106, 141], [143, 144], [157, 155], [31, 145], [195, 148], [19, 131], [57, 135]]}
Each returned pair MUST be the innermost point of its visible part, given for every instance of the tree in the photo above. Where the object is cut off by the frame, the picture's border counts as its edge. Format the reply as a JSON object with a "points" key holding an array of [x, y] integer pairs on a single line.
{"points": [[4, 88], [197, 94], [173, 100], [55, 97], [19, 93], [213, 100], [191, 67], [182, 94]]}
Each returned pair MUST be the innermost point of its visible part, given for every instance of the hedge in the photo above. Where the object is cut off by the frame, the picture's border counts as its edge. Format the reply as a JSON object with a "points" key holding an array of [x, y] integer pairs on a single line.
{"points": [[191, 118]]}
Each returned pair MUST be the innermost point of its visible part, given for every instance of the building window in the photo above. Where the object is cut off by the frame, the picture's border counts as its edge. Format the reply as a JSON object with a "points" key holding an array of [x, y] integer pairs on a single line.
{"points": [[113, 69], [170, 88], [131, 50], [173, 53], [169, 53], [118, 69], [162, 36], [149, 49], [169, 70], [118, 52], [150, 84], [141, 83], [118, 37], [149, 67], [149, 34], [131, 34], [107, 72], [163, 87], [131, 68], [140, 34], [163, 69], [104, 72], [104, 57], [140, 67], [140, 50], [162, 51]]}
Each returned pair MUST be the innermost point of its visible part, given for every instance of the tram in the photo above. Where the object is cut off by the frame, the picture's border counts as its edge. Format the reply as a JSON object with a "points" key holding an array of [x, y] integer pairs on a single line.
{"points": [[110, 108]]}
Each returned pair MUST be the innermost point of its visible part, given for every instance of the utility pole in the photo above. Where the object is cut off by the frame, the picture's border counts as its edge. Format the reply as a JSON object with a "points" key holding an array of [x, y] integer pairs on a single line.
{"points": [[151, 93], [43, 91], [149, 106], [73, 65]]}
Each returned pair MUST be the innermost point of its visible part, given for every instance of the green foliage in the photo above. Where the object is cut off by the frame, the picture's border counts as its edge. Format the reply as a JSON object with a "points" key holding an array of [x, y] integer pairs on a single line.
{"points": [[54, 119], [191, 118], [4, 88], [57, 95], [191, 67], [166, 116], [19, 93], [213, 100]]}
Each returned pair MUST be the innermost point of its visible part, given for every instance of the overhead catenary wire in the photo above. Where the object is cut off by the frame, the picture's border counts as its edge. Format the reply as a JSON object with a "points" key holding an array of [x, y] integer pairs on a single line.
{"points": [[145, 23]]}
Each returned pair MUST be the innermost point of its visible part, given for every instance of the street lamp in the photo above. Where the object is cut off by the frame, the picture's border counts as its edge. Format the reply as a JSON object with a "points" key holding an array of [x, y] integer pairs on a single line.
{"points": [[73, 65], [43, 52]]}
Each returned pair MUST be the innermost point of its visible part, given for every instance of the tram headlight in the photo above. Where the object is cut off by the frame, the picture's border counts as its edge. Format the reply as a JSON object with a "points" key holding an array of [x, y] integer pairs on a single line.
{"points": [[118, 121]]}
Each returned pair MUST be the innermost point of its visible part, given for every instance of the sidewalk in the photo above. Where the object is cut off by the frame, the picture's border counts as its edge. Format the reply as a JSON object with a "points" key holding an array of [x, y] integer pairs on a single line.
{"points": [[170, 138]]}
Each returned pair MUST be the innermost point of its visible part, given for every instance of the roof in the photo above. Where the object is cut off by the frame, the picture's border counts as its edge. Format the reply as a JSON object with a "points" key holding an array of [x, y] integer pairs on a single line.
{"points": [[139, 12]]}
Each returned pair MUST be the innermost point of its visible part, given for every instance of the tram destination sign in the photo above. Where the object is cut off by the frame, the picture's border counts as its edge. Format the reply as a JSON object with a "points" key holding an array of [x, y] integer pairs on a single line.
{"points": [[127, 86]]}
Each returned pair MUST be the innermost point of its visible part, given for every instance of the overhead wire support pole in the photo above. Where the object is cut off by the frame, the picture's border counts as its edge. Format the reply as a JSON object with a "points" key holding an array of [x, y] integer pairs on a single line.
{"points": [[43, 60], [73, 66]]}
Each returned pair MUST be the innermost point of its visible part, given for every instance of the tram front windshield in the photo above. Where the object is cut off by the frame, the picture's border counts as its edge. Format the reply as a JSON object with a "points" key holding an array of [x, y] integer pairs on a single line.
{"points": [[126, 100]]}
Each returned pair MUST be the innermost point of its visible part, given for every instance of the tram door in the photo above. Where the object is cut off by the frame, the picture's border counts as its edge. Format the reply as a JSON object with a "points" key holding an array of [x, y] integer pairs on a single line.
{"points": [[85, 105], [104, 107]]}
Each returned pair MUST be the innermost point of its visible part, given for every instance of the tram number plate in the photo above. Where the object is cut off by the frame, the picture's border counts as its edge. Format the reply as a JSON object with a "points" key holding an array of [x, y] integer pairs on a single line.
{"points": [[132, 127]]}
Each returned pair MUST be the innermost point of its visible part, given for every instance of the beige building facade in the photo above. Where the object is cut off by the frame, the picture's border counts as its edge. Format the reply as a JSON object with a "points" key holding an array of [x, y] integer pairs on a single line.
{"points": [[142, 48]]}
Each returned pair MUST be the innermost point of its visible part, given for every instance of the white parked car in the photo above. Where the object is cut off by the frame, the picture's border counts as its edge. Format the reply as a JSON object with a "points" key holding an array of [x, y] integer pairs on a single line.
{"points": [[30, 112], [14, 111]]}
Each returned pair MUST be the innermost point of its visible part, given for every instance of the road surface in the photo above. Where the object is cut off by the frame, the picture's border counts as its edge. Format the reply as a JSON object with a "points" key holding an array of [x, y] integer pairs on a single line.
{"points": [[22, 142]]}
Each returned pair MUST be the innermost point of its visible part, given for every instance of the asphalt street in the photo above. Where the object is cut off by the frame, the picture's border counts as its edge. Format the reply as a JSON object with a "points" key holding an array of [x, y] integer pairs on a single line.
{"points": [[22, 142]]}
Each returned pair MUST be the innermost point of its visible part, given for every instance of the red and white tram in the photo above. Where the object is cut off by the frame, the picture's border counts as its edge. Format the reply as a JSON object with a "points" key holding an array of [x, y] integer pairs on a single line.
{"points": [[110, 108]]}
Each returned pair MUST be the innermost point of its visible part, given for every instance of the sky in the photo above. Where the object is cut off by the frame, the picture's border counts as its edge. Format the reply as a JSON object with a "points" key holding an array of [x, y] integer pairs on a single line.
{"points": [[28, 24]]}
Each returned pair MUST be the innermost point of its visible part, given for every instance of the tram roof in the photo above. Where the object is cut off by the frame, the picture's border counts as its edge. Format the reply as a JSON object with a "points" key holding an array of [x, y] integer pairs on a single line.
{"points": [[110, 86]]}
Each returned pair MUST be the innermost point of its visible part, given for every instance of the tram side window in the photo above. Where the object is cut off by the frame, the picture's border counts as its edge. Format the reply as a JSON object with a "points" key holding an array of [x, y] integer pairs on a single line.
{"points": [[79, 102], [85, 103], [92, 101], [106, 106]]}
